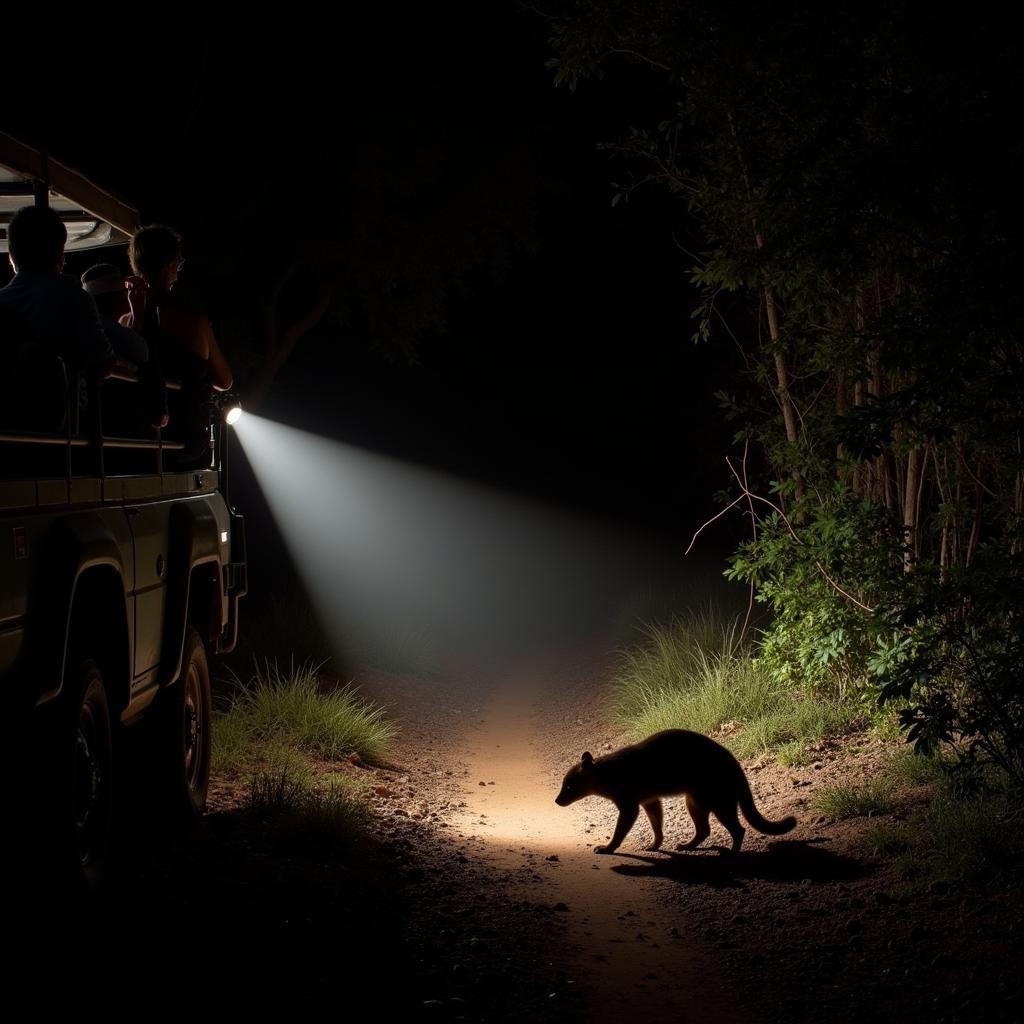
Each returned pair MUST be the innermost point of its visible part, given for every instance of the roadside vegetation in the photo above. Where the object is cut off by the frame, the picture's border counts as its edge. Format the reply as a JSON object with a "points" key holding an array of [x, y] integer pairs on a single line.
{"points": [[878, 464], [279, 733], [693, 673]]}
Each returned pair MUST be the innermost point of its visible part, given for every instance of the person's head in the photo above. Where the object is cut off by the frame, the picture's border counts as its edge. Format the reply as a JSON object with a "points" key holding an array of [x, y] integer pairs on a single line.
{"points": [[35, 239], [155, 254], [105, 283]]}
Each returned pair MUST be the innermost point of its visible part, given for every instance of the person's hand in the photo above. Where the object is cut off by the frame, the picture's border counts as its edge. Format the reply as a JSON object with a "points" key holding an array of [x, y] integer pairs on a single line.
{"points": [[138, 293]]}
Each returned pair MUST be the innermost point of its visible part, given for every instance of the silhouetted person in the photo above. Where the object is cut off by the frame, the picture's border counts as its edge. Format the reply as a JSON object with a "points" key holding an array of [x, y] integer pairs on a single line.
{"points": [[183, 337], [61, 319], [107, 287], [121, 304]]}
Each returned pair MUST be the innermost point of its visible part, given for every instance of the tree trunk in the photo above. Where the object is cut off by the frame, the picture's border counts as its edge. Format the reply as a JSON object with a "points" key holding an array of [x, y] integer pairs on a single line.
{"points": [[781, 371]]}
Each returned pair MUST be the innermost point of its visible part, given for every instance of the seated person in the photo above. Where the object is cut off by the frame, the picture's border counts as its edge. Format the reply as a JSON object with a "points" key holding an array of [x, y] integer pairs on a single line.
{"points": [[62, 318], [120, 306], [34, 384], [183, 337], [107, 287]]}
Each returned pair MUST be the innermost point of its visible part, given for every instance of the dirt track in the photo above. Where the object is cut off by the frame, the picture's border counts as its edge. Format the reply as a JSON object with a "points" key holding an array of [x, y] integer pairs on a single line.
{"points": [[800, 928], [472, 896]]}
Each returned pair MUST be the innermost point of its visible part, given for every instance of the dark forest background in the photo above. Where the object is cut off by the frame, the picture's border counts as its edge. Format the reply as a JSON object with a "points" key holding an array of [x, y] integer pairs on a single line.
{"points": [[411, 237]]}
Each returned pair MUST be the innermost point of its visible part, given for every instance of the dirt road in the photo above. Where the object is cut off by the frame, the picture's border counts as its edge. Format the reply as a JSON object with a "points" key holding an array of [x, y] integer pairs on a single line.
{"points": [[620, 947], [516, 918], [630, 953]]}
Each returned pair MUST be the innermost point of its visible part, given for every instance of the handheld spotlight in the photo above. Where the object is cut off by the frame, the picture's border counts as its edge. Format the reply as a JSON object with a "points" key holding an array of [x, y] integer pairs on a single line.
{"points": [[232, 412]]}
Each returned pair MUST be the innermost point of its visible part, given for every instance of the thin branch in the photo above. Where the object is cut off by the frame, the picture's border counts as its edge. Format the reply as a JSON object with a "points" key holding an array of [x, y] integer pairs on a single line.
{"points": [[716, 516], [753, 527], [789, 526], [640, 57]]}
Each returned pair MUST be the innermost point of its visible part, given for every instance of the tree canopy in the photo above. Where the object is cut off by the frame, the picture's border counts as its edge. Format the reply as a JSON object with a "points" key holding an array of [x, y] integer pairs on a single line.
{"points": [[855, 175]]}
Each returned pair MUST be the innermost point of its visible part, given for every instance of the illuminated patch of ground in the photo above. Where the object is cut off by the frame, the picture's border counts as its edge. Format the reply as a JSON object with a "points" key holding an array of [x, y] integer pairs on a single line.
{"points": [[635, 957]]}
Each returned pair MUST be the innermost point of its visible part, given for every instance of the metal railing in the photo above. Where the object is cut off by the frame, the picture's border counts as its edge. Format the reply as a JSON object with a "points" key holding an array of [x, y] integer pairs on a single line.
{"points": [[95, 440]]}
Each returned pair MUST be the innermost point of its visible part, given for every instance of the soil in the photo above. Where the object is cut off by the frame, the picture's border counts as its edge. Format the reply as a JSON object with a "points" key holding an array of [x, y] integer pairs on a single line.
{"points": [[802, 927], [472, 896]]}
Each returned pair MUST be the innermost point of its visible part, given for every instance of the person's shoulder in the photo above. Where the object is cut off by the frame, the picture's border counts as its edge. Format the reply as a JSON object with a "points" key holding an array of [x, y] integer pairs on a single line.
{"points": [[21, 282]]}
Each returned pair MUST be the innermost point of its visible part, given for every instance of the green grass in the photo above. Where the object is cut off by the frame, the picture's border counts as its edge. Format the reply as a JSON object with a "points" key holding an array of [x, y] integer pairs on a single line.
{"points": [[980, 839], [690, 674], [298, 800], [275, 730], [292, 709], [908, 768], [842, 801]]}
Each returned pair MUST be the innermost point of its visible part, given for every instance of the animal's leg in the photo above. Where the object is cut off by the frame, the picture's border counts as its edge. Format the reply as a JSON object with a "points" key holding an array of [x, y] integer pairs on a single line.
{"points": [[627, 819], [654, 813], [726, 814], [700, 823]]}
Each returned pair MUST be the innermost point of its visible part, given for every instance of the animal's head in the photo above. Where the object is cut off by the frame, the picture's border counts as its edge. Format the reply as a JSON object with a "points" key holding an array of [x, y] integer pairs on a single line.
{"points": [[578, 781]]}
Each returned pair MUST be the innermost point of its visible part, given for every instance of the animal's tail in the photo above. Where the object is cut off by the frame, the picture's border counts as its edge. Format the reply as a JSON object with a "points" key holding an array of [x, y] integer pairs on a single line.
{"points": [[755, 818]]}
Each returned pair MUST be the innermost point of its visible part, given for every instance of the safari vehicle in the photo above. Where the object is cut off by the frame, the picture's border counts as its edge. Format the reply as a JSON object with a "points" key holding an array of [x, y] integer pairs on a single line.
{"points": [[119, 575]]}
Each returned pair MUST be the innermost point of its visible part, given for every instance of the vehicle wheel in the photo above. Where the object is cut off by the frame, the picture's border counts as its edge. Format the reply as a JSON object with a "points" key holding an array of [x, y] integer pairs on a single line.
{"points": [[80, 805], [184, 722]]}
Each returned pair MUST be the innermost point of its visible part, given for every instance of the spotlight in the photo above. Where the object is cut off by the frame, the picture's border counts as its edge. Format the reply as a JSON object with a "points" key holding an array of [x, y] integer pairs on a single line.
{"points": [[232, 413]]}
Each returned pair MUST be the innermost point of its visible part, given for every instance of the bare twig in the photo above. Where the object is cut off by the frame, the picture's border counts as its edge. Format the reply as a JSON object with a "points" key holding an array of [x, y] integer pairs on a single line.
{"points": [[789, 526], [643, 58], [703, 526]]}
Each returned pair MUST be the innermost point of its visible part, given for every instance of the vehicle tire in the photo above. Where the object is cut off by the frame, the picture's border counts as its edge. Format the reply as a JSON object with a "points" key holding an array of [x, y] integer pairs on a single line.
{"points": [[183, 721], [77, 808]]}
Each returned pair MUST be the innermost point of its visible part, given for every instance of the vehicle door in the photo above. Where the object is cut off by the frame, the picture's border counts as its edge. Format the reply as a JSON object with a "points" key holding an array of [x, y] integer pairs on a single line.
{"points": [[150, 527]]}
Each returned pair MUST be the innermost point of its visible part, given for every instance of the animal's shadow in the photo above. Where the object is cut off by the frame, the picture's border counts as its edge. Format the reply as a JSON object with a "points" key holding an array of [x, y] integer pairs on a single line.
{"points": [[786, 860]]}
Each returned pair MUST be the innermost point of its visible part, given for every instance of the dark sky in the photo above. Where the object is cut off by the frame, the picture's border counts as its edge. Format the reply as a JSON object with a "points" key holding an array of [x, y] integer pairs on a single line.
{"points": [[571, 375]]}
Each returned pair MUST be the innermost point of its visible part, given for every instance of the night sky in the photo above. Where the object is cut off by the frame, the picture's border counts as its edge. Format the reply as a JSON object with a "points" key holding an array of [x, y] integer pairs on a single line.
{"points": [[561, 366]]}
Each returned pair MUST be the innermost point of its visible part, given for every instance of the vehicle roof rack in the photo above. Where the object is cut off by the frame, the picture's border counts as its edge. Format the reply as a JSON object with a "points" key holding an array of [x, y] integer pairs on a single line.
{"points": [[94, 216]]}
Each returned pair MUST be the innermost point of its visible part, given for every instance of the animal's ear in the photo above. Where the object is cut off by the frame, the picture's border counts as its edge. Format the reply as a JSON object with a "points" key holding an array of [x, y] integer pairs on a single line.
{"points": [[587, 760]]}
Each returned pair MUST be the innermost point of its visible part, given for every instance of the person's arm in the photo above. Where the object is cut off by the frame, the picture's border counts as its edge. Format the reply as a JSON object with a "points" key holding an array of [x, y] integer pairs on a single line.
{"points": [[138, 296], [195, 332], [221, 376]]}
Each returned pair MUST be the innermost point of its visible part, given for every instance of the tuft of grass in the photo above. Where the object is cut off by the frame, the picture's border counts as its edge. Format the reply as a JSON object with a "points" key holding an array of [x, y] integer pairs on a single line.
{"points": [[956, 840], [844, 801], [793, 754], [908, 768], [292, 797], [691, 674], [292, 709], [274, 791], [330, 810]]}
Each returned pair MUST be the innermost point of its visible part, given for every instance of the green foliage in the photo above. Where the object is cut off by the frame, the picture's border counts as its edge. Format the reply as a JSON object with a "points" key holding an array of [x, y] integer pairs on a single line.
{"points": [[956, 658], [858, 196], [691, 674], [819, 638], [274, 733], [295, 709]]}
